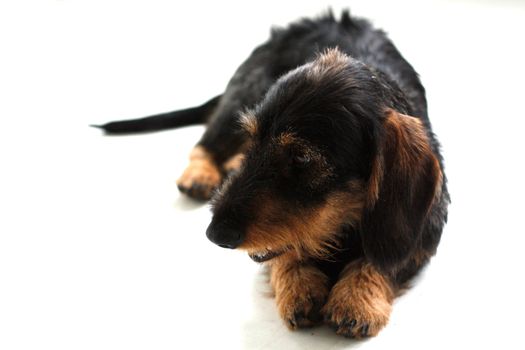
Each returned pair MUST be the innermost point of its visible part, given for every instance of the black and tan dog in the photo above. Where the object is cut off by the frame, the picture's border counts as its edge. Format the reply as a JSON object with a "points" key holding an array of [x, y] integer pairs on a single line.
{"points": [[326, 169]]}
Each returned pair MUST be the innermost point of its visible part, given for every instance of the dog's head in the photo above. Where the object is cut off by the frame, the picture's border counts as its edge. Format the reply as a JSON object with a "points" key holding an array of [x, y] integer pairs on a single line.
{"points": [[329, 147]]}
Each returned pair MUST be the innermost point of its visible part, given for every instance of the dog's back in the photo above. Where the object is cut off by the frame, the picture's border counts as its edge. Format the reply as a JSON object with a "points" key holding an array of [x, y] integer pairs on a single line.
{"points": [[302, 41]]}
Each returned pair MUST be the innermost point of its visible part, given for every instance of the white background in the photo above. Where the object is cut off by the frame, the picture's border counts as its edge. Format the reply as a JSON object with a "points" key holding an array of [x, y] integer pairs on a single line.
{"points": [[99, 251]]}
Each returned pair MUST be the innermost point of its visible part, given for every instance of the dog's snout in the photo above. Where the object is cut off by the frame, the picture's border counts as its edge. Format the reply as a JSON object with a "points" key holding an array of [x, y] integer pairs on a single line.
{"points": [[224, 236]]}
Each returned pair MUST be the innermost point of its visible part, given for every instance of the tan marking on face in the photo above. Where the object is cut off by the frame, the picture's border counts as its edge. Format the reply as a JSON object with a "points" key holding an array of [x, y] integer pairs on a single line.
{"points": [[201, 176], [248, 122], [286, 139], [310, 232], [362, 294]]}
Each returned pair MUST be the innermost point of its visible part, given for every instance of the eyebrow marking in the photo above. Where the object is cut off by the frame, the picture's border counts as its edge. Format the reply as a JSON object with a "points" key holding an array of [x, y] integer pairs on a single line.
{"points": [[248, 122], [286, 138]]}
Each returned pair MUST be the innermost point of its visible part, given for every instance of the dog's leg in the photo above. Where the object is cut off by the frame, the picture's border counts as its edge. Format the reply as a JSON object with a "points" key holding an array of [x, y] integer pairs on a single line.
{"points": [[360, 303], [212, 158], [214, 155], [234, 163], [300, 292], [201, 176]]}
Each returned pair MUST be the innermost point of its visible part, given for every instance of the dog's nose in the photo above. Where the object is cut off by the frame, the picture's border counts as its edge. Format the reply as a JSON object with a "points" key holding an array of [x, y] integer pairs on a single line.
{"points": [[224, 237]]}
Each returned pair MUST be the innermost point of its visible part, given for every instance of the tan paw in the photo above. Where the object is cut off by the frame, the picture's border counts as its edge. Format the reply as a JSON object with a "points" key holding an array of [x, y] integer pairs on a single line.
{"points": [[233, 164], [201, 177], [359, 304], [300, 294]]}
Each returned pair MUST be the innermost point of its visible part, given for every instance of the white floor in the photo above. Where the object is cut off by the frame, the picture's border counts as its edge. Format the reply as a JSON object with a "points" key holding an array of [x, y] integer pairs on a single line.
{"points": [[99, 251]]}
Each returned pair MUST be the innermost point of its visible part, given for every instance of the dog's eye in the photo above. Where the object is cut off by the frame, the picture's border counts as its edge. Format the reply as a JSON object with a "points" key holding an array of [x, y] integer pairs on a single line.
{"points": [[301, 160]]}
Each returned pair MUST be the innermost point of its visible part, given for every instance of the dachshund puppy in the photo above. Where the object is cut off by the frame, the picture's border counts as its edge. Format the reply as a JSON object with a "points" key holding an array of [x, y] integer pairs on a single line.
{"points": [[322, 163]]}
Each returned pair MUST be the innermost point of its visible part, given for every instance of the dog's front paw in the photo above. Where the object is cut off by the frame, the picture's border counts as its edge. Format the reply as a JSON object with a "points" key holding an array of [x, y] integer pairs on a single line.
{"points": [[300, 294], [359, 304], [300, 311], [201, 177], [356, 319]]}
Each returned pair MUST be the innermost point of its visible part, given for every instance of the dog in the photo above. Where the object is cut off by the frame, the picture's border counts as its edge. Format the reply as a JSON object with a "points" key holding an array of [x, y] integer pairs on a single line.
{"points": [[321, 162]]}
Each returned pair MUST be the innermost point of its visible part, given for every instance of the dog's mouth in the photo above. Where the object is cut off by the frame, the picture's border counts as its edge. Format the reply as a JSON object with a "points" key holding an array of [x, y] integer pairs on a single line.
{"points": [[267, 254]]}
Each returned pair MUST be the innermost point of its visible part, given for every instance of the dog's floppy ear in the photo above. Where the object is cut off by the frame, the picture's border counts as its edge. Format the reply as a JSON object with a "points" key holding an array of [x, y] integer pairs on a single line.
{"points": [[405, 178]]}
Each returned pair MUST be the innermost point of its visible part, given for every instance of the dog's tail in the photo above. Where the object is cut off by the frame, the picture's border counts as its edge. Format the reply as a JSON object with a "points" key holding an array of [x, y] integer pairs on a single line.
{"points": [[175, 119]]}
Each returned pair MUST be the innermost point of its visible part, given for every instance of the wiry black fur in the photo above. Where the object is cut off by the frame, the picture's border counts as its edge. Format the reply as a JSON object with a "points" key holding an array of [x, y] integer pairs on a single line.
{"points": [[342, 119], [341, 116]]}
